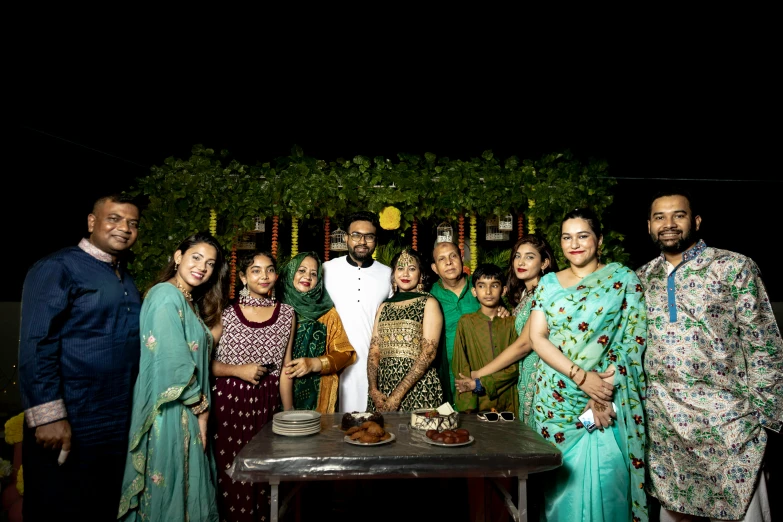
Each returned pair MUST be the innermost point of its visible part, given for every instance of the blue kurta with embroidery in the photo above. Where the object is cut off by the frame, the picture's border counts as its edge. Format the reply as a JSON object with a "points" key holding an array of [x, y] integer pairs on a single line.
{"points": [[714, 365], [79, 346]]}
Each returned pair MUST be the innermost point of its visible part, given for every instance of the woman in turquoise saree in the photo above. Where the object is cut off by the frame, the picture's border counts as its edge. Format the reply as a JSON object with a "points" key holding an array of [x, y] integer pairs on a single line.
{"points": [[588, 325], [170, 472]]}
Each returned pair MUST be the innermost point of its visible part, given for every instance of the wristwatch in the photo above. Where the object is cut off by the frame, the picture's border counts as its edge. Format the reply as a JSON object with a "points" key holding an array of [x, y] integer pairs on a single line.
{"points": [[479, 388]]}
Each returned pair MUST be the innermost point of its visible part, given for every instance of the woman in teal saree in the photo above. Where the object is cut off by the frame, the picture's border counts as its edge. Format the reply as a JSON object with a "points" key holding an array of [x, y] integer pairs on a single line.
{"points": [[588, 325], [170, 473]]}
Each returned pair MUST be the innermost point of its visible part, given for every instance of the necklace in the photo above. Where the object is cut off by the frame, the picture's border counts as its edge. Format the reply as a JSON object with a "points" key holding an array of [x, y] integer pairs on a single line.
{"points": [[181, 288], [583, 276]]}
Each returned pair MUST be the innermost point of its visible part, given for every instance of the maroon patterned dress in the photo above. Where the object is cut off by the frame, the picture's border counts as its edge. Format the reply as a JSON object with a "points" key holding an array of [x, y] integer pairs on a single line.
{"points": [[240, 409]]}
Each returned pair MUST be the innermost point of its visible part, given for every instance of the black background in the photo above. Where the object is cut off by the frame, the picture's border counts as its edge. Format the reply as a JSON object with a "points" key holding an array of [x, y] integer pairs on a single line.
{"points": [[92, 112]]}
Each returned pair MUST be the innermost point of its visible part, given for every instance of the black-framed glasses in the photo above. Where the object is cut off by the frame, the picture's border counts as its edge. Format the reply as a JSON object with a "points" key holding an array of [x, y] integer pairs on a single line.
{"points": [[493, 416], [368, 238]]}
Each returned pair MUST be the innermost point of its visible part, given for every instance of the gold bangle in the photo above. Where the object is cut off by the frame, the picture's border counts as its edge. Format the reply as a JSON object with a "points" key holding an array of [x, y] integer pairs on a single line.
{"points": [[571, 371], [584, 378]]}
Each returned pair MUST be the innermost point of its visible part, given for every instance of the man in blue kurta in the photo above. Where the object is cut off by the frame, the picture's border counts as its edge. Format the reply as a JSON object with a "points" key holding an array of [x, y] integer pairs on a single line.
{"points": [[78, 359]]}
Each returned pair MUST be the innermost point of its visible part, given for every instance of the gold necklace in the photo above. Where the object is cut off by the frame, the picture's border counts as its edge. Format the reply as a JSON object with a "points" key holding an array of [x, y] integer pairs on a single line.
{"points": [[181, 288], [571, 268]]}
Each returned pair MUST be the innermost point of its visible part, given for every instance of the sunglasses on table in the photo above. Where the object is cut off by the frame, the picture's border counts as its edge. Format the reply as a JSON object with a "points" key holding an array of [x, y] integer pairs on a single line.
{"points": [[492, 416]]}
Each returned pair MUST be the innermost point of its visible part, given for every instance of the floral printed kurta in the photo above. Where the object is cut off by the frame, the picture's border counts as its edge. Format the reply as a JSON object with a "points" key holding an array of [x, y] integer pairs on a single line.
{"points": [[168, 475], [597, 323], [528, 365], [714, 369]]}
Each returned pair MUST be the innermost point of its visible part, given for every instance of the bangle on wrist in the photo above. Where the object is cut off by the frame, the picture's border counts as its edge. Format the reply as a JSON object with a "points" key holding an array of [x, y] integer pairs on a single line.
{"points": [[583, 378], [479, 390], [571, 371]]}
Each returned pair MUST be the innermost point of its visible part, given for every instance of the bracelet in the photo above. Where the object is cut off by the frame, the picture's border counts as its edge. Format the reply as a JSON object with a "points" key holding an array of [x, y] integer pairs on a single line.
{"points": [[584, 378], [571, 371], [479, 388]]}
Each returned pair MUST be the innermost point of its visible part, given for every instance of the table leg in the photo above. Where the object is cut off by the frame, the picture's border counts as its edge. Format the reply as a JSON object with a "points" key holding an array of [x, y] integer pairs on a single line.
{"points": [[522, 498], [274, 482]]}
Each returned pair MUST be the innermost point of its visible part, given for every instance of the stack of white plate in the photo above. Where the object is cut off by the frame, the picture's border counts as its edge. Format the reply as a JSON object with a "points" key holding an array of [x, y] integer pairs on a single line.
{"points": [[296, 423]]}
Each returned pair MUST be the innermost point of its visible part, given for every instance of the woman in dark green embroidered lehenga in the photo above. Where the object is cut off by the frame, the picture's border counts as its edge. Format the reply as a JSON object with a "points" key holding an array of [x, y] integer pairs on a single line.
{"points": [[321, 346], [404, 343]]}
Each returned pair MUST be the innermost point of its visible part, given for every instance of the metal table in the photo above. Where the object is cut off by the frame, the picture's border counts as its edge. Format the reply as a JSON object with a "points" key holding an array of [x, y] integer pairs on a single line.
{"points": [[500, 449]]}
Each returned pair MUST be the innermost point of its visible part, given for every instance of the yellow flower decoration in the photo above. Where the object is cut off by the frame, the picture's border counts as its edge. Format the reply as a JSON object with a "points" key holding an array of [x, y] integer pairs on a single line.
{"points": [[20, 481], [14, 429], [390, 218]]}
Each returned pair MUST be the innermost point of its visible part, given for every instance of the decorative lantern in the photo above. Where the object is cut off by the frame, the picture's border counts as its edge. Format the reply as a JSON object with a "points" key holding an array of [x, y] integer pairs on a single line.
{"points": [[260, 224], [493, 233], [246, 242], [445, 233], [339, 241], [506, 223]]}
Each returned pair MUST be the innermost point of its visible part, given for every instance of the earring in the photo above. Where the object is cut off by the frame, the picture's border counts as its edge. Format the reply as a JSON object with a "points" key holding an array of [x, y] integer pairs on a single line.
{"points": [[273, 295], [420, 287], [176, 266], [245, 292], [394, 287]]}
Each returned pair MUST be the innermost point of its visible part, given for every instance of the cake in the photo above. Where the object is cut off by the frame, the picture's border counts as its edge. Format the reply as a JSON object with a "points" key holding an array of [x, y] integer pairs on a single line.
{"points": [[358, 418], [430, 419]]}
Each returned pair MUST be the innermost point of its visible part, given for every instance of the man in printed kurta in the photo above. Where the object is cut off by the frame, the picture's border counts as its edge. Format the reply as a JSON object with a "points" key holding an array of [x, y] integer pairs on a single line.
{"points": [[714, 365], [78, 360]]}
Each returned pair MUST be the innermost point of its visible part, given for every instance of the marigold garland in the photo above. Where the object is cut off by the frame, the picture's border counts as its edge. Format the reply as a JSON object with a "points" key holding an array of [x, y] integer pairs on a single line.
{"points": [[20, 481], [461, 229], [390, 218], [414, 234], [327, 239], [14, 429], [212, 222], [531, 225], [473, 250], [520, 226], [275, 223], [233, 277], [294, 236]]}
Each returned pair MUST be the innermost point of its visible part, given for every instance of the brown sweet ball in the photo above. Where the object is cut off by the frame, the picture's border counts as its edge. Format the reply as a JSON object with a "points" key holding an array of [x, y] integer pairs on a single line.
{"points": [[358, 434], [461, 439], [353, 430], [462, 431], [449, 440], [369, 439], [431, 433], [374, 429], [448, 433], [367, 424]]}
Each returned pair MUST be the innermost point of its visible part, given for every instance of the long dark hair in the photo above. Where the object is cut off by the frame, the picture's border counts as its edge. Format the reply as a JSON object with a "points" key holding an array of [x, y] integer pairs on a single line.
{"points": [[210, 296], [516, 288]]}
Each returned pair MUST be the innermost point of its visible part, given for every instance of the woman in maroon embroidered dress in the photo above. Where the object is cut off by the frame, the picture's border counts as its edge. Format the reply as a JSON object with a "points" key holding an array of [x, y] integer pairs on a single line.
{"points": [[257, 332]]}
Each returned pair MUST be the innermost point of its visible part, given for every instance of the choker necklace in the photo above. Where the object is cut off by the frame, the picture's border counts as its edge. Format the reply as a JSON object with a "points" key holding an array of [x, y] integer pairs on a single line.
{"points": [[246, 300], [582, 277], [181, 288]]}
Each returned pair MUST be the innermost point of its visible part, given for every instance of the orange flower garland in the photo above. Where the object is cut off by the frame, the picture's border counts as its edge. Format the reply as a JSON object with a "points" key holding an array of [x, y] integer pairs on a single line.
{"points": [[233, 277], [275, 222], [473, 248], [414, 234], [520, 226], [327, 239], [462, 234], [294, 236], [531, 223]]}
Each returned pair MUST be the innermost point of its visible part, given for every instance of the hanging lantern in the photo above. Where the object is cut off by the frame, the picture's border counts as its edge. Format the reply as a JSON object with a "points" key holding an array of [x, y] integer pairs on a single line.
{"points": [[339, 241], [260, 224], [506, 223], [493, 232], [445, 233], [246, 242]]}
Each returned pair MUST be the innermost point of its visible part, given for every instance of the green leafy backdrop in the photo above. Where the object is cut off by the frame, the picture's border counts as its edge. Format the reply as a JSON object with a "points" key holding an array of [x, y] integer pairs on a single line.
{"points": [[177, 197]]}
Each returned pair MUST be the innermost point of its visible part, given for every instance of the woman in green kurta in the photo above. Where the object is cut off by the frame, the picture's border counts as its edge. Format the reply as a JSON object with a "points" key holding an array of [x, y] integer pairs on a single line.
{"points": [[170, 472], [588, 325], [531, 258]]}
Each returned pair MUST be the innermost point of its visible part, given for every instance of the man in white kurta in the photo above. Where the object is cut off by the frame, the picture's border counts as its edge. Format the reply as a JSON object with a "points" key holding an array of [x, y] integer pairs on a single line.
{"points": [[357, 285]]}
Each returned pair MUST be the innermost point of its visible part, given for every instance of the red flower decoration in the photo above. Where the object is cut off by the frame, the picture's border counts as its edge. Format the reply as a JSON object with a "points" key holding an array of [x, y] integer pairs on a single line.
{"points": [[603, 340], [558, 397], [559, 437], [545, 432], [561, 311], [638, 419], [637, 463], [622, 369], [583, 327], [618, 285], [581, 287], [561, 384], [624, 305], [550, 414], [640, 340]]}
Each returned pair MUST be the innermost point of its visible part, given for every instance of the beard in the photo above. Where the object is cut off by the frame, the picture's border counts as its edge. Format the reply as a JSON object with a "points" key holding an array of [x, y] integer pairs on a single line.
{"points": [[681, 245], [360, 257]]}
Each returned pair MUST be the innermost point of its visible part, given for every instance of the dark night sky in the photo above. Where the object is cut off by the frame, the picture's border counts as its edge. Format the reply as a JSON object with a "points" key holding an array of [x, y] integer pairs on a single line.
{"points": [[85, 126]]}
